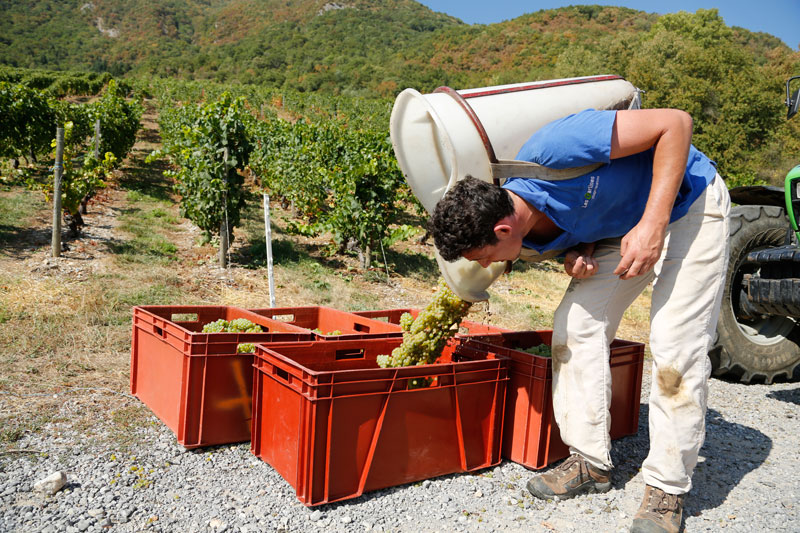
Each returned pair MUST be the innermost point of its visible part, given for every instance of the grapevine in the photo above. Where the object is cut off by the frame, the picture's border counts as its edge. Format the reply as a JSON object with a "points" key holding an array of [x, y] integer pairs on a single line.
{"points": [[424, 338]]}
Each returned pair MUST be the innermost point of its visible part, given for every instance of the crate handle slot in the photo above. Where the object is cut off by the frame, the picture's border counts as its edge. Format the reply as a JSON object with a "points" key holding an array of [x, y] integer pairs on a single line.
{"points": [[185, 317], [361, 327], [158, 331], [353, 353], [281, 373], [283, 318], [422, 382]]}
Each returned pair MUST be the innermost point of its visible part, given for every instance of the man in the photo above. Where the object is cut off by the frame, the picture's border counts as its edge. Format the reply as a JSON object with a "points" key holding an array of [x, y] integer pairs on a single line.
{"points": [[654, 211]]}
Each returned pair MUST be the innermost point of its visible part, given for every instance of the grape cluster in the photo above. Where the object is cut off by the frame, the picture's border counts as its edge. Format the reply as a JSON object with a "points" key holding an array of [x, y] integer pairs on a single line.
{"points": [[246, 347], [242, 325], [424, 338], [542, 350], [218, 326], [237, 325]]}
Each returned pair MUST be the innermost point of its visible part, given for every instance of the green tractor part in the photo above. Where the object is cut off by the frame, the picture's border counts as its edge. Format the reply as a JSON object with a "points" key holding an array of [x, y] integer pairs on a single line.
{"points": [[792, 188]]}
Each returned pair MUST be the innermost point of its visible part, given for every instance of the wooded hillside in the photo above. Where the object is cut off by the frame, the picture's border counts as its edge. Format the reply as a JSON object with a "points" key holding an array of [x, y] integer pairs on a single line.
{"points": [[729, 79]]}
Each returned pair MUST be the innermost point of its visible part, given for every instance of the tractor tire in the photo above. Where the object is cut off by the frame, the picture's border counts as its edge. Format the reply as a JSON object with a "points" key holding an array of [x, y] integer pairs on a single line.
{"points": [[766, 347]]}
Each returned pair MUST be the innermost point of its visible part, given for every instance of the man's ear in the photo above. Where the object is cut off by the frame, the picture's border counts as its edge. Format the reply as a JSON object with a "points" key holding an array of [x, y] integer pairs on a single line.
{"points": [[502, 230]]}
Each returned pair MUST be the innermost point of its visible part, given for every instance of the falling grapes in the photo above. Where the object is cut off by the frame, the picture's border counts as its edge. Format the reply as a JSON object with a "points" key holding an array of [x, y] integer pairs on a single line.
{"points": [[406, 320], [424, 338]]}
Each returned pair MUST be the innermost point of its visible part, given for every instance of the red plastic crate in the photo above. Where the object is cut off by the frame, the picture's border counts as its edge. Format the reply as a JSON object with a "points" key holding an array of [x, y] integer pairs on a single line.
{"points": [[335, 425], [465, 328], [351, 326], [195, 382], [531, 436]]}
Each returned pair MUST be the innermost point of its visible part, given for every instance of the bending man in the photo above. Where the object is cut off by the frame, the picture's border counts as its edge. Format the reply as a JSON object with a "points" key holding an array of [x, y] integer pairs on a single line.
{"points": [[655, 211]]}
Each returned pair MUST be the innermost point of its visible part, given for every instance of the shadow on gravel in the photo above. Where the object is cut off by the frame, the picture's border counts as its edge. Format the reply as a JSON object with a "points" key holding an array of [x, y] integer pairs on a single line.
{"points": [[788, 396], [731, 451]]}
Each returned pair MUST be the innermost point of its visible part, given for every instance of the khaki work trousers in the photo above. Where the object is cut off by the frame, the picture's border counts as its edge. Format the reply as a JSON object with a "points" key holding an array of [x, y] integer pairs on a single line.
{"points": [[687, 291]]}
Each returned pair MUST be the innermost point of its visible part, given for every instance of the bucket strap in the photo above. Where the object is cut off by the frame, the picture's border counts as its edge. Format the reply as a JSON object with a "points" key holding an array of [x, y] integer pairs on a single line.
{"points": [[509, 168]]}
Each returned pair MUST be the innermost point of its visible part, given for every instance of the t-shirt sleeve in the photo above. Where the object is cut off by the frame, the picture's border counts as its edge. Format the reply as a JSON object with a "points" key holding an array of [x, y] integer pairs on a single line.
{"points": [[576, 140]]}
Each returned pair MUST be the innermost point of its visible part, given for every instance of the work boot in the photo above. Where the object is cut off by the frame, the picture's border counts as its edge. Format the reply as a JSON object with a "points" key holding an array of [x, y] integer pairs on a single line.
{"points": [[572, 477], [659, 513]]}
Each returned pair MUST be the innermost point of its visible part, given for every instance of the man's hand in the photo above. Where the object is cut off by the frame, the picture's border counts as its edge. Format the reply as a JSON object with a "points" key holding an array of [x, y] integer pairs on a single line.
{"points": [[579, 261], [669, 133], [640, 250]]}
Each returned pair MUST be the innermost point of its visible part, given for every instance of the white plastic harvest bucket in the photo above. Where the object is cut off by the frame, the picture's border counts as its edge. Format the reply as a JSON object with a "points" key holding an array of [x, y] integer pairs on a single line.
{"points": [[437, 142], [441, 137]]}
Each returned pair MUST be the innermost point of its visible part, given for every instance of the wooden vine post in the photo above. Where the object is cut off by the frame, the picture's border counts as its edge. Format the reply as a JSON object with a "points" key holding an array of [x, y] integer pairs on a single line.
{"points": [[223, 226], [58, 169]]}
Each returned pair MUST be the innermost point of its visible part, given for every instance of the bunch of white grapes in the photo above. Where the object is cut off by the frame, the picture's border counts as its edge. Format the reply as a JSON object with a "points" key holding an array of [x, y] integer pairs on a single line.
{"points": [[541, 350], [237, 325], [425, 337], [246, 347], [242, 325], [218, 326]]}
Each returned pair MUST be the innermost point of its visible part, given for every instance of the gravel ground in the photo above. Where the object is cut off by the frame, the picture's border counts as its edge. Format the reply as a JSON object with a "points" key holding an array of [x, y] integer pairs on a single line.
{"points": [[747, 480]]}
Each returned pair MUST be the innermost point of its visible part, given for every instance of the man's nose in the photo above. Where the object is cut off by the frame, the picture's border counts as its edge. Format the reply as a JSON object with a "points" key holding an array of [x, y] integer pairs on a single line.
{"points": [[485, 263]]}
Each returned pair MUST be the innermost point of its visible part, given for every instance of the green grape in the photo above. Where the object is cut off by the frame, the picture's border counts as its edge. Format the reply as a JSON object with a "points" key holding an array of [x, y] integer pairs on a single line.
{"points": [[246, 347], [425, 337]]}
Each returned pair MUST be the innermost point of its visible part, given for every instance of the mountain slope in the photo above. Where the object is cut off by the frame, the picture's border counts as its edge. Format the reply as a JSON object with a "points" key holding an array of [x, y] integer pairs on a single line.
{"points": [[248, 39]]}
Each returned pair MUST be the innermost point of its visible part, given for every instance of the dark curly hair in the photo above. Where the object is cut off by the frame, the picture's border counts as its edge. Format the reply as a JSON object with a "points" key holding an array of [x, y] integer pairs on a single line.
{"points": [[465, 217]]}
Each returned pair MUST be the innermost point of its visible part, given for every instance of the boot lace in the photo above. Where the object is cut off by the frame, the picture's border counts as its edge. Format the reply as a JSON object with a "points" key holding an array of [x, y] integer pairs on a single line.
{"points": [[666, 502], [566, 466]]}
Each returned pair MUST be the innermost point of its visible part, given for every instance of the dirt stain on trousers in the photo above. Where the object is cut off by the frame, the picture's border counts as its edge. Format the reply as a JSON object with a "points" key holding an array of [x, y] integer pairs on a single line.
{"points": [[669, 382]]}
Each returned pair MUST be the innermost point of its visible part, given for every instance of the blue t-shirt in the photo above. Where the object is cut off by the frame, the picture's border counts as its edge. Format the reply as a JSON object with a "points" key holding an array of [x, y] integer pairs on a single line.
{"points": [[608, 201]]}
